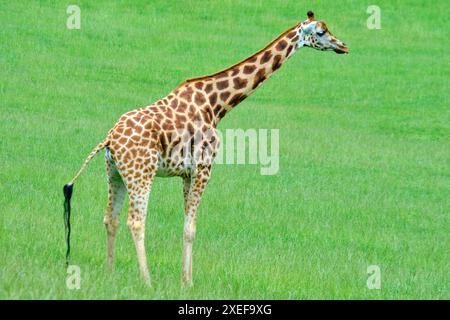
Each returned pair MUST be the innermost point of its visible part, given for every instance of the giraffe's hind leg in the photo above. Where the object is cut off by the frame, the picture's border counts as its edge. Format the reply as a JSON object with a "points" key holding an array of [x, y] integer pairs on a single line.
{"points": [[138, 179], [116, 195]]}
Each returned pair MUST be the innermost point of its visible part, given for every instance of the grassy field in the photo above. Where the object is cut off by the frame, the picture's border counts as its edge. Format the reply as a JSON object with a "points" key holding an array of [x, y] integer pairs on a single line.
{"points": [[364, 173]]}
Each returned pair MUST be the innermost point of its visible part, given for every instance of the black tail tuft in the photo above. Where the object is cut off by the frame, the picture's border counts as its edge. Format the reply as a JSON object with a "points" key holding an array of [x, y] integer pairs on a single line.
{"points": [[68, 189]]}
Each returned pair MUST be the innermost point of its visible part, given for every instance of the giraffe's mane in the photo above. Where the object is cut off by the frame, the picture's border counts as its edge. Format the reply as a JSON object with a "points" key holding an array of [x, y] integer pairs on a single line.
{"points": [[209, 76]]}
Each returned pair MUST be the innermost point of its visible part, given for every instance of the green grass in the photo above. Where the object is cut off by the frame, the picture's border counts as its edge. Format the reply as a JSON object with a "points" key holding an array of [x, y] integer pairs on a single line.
{"points": [[364, 151]]}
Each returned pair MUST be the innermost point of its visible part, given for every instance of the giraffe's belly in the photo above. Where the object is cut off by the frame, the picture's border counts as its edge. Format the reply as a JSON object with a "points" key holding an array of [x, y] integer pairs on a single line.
{"points": [[170, 168]]}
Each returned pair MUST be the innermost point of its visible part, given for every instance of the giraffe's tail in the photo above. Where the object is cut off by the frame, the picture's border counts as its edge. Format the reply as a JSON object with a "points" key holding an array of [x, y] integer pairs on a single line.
{"points": [[68, 189]]}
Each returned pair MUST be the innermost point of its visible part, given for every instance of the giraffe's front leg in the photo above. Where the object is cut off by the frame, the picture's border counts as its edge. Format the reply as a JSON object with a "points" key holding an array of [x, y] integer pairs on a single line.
{"points": [[186, 190], [116, 196], [197, 186]]}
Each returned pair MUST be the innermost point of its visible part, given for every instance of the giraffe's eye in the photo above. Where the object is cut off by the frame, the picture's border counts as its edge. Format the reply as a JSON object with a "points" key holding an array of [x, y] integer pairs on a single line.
{"points": [[321, 33]]}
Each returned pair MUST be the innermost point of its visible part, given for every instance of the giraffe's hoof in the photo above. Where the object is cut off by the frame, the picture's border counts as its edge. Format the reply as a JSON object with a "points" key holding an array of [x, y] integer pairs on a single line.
{"points": [[110, 267], [187, 284], [147, 282]]}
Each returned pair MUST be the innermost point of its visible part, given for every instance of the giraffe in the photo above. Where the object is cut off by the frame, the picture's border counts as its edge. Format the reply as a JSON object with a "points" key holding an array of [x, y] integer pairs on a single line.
{"points": [[176, 136]]}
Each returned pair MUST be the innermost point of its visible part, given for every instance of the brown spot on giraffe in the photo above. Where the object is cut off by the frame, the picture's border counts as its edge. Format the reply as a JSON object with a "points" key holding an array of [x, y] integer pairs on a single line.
{"points": [[224, 96], [239, 83], [213, 99], [191, 111], [281, 45], [199, 99], [259, 78], [199, 85], [289, 50], [292, 34], [128, 131], [266, 57], [167, 126], [221, 75], [222, 84], [208, 88], [207, 114], [276, 62], [235, 72], [180, 121], [248, 69], [181, 107], [168, 113], [130, 123], [236, 99], [187, 94], [174, 103]]}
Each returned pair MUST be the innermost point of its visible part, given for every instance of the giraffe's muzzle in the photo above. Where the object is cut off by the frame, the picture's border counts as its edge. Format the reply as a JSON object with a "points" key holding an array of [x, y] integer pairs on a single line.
{"points": [[341, 49]]}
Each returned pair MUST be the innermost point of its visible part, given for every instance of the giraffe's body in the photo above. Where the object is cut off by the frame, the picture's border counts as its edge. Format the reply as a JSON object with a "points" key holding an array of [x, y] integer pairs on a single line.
{"points": [[176, 136]]}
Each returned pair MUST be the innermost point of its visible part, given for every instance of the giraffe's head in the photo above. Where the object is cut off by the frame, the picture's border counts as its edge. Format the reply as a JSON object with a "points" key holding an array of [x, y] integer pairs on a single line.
{"points": [[315, 34]]}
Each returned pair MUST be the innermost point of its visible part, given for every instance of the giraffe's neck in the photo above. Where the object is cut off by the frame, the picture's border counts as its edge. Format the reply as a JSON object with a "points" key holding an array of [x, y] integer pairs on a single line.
{"points": [[224, 90]]}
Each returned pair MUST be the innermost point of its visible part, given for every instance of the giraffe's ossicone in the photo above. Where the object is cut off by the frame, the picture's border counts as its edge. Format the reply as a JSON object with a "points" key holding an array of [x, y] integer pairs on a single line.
{"points": [[176, 136]]}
